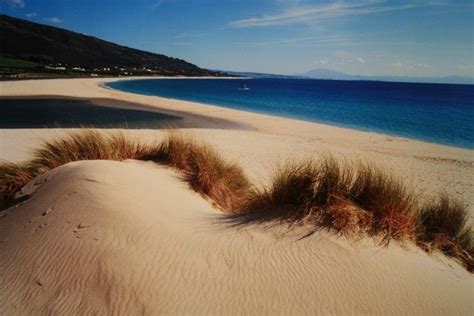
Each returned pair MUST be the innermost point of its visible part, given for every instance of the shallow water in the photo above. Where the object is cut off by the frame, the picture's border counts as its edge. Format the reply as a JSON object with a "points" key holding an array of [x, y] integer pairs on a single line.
{"points": [[98, 113]]}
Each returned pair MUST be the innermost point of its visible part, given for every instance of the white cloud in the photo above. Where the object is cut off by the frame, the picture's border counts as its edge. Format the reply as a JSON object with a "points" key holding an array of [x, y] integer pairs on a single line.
{"points": [[31, 15], [360, 60], [305, 13], [16, 3], [54, 19]]}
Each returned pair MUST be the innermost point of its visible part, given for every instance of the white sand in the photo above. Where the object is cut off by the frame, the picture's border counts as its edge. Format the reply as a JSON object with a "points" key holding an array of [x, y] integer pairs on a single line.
{"points": [[147, 244]]}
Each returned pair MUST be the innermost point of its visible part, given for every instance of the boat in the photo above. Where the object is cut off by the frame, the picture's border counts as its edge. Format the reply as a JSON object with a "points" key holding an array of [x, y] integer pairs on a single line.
{"points": [[244, 88]]}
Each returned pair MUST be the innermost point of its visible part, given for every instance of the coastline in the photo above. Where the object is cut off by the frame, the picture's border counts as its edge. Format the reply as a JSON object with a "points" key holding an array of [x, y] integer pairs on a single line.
{"points": [[320, 119], [430, 168], [13, 89]]}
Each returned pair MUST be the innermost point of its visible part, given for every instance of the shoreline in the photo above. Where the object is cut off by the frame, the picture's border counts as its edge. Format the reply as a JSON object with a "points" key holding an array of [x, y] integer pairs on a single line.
{"points": [[295, 118], [98, 84], [430, 168]]}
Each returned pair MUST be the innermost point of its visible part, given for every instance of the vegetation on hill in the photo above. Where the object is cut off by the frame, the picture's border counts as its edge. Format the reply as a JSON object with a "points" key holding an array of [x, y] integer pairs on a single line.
{"points": [[348, 199], [65, 52]]}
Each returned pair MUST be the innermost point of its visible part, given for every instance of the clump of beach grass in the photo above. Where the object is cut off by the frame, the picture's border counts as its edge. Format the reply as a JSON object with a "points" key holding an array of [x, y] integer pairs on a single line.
{"points": [[347, 199], [391, 204], [206, 172], [359, 199], [444, 226], [222, 182], [85, 145], [351, 199], [12, 178]]}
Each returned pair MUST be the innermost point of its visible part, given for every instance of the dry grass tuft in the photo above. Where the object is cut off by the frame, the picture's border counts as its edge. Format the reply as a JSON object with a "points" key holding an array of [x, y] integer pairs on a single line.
{"points": [[347, 199], [307, 193], [207, 173], [389, 201], [359, 199], [86, 145], [12, 178], [444, 227], [222, 182]]}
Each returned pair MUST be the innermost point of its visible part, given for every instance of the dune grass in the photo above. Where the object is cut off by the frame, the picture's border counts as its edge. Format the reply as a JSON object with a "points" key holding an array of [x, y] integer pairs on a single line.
{"points": [[222, 182], [352, 199], [443, 226], [12, 178], [359, 199], [388, 200], [348, 199], [86, 145]]}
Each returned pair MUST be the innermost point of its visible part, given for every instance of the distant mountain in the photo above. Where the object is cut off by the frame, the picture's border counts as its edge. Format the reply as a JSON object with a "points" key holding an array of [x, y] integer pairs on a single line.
{"points": [[328, 74], [46, 45], [321, 73], [254, 74]]}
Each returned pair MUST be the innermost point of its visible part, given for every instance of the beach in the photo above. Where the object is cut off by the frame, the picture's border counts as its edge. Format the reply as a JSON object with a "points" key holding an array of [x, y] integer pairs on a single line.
{"points": [[130, 237]]}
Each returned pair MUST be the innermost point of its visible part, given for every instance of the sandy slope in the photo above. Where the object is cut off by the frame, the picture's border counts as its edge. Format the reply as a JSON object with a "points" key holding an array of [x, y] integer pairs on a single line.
{"points": [[88, 241]]}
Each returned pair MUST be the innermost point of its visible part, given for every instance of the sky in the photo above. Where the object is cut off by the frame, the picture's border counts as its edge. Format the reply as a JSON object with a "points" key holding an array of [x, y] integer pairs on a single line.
{"points": [[425, 38]]}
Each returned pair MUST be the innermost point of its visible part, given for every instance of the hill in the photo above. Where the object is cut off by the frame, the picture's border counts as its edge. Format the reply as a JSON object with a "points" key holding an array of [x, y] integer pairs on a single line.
{"points": [[61, 50]]}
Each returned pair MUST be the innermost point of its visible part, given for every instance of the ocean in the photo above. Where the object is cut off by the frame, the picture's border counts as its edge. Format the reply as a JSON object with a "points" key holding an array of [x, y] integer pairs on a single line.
{"points": [[438, 113]]}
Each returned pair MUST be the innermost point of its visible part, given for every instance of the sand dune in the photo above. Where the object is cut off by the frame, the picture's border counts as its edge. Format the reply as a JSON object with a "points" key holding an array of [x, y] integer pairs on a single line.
{"points": [[87, 241]]}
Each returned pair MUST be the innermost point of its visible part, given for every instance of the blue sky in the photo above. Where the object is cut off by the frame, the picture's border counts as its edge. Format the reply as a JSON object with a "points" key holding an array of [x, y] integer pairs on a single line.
{"points": [[368, 37]]}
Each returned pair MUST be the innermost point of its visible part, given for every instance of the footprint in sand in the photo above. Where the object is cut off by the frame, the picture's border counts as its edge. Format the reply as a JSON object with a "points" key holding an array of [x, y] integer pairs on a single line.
{"points": [[82, 226], [47, 211], [79, 227]]}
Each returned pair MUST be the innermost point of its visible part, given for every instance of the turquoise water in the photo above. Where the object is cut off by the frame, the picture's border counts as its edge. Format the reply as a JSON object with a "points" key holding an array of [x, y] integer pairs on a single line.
{"points": [[439, 113]]}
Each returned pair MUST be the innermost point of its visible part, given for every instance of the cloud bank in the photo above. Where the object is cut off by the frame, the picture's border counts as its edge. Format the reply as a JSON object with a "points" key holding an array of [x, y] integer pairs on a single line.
{"points": [[311, 13]]}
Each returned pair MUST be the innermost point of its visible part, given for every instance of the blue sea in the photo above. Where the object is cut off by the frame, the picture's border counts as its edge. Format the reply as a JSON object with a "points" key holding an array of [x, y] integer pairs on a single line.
{"points": [[439, 113]]}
